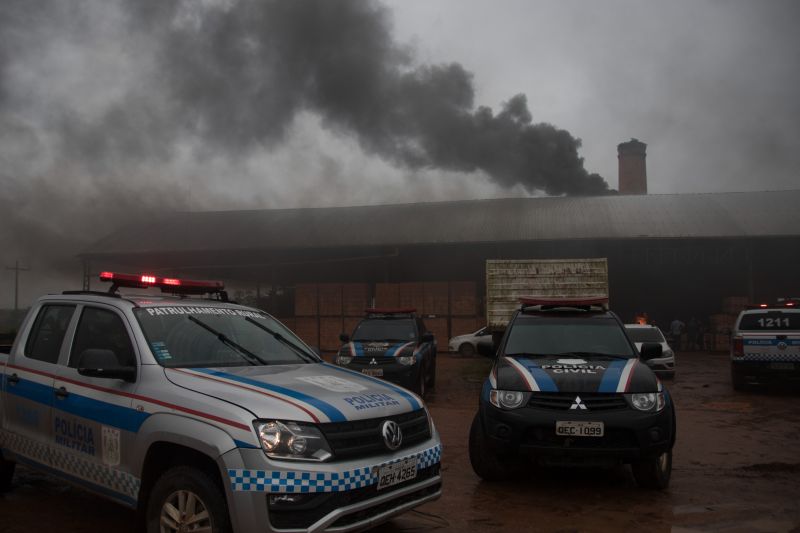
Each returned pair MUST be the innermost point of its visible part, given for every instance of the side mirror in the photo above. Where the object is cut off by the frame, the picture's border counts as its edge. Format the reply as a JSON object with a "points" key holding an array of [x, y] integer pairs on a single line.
{"points": [[101, 363], [650, 350], [344, 337], [427, 337], [487, 348]]}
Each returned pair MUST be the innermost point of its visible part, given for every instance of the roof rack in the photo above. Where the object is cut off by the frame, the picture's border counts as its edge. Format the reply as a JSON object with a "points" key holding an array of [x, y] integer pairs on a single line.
{"points": [[597, 303]]}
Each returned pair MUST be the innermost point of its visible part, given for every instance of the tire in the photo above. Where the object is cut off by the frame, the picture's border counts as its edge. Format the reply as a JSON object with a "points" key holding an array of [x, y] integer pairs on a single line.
{"points": [[654, 471], [737, 380], [6, 474], [420, 388], [432, 373], [466, 349], [188, 481], [485, 463]]}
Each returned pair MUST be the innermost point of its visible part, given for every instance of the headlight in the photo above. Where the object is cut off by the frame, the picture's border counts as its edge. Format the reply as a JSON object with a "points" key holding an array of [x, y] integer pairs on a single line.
{"points": [[343, 360], [648, 401], [407, 360], [507, 399], [292, 440]]}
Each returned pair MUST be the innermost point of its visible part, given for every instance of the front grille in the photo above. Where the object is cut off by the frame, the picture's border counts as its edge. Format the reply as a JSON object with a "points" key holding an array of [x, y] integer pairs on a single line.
{"points": [[614, 438], [564, 401], [319, 505], [366, 361], [362, 438]]}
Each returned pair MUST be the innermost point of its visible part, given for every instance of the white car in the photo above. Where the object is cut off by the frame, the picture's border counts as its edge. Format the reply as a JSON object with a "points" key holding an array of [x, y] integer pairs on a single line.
{"points": [[468, 344], [664, 366]]}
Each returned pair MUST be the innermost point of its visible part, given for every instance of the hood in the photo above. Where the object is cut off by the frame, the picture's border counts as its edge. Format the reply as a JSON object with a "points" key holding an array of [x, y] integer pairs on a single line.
{"points": [[378, 349], [560, 374], [309, 392]]}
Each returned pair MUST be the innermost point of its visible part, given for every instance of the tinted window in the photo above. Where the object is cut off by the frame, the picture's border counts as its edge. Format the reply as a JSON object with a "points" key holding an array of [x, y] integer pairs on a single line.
{"points": [[563, 335], [48, 332], [102, 329], [645, 335], [770, 321], [380, 329]]}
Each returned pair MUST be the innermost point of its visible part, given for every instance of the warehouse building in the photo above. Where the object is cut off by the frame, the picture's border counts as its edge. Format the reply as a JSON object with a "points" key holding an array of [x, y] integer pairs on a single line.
{"points": [[668, 255]]}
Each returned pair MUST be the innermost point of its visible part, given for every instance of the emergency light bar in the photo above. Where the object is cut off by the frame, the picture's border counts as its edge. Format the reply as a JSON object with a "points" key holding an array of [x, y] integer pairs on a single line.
{"points": [[172, 285], [529, 301], [390, 311]]}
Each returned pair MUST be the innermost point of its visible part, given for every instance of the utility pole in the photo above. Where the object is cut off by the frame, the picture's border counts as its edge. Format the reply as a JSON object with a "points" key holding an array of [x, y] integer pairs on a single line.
{"points": [[16, 268]]}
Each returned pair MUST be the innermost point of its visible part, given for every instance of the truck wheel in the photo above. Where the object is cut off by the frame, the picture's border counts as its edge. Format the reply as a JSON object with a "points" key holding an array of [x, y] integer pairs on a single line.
{"points": [[420, 388], [737, 380], [6, 474], [466, 349], [654, 471], [186, 499], [484, 461]]}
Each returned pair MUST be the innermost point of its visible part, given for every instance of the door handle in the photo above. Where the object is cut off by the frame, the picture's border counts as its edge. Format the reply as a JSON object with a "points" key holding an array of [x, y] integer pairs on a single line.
{"points": [[61, 393], [13, 379]]}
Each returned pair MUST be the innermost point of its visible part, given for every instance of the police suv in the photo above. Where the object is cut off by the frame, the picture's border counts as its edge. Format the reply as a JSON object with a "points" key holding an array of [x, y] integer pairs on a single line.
{"points": [[392, 344], [766, 344], [207, 416], [568, 387]]}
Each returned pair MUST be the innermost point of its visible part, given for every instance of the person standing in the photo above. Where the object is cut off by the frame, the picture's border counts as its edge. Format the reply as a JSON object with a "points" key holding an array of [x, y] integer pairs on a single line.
{"points": [[676, 330]]}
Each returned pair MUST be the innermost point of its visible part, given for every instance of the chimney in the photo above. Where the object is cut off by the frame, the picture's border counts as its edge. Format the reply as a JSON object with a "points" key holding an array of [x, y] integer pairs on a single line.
{"points": [[632, 168]]}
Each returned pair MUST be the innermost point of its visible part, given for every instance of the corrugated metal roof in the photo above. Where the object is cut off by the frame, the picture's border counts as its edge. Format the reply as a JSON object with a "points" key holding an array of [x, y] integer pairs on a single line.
{"points": [[750, 214]]}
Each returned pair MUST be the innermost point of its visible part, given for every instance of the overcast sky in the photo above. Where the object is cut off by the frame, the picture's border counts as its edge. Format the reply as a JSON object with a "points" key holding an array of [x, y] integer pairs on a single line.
{"points": [[114, 110]]}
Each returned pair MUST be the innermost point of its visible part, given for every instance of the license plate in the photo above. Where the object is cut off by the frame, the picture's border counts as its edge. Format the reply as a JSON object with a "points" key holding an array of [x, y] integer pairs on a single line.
{"points": [[397, 473], [376, 372], [580, 429], [781, 366]]}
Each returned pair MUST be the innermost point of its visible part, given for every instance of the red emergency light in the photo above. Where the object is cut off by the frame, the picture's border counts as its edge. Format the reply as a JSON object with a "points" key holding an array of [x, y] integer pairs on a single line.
{"points": [[173, 285], [527, 301]]}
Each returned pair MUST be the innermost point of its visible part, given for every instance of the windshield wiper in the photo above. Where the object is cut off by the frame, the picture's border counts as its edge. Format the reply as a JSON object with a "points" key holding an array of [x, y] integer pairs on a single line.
{"points": [[280, 338], [593, 354], [249, 356]]}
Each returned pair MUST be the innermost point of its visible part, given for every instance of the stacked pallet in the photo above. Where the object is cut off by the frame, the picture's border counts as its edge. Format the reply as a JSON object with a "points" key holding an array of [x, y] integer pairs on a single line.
{"points": [[721, 325]]}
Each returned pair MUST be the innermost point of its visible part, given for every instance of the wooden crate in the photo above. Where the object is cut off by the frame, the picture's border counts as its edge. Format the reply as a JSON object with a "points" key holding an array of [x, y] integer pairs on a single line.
{"points": [[412, 295], [387, 295], [329, 330], [463, 298], [464, 325], [350, 324], [355, 298], [307, 328], [441, 331], [305, 299], [436, 299], [330, 299]]}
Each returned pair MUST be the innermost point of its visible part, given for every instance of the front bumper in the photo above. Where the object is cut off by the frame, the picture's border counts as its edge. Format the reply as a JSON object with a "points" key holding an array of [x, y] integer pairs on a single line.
{"points": [[662, 365], [336, 497], [530, 431]]}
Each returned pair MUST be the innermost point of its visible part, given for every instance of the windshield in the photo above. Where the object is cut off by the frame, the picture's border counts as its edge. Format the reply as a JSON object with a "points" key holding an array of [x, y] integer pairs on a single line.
{"points": [[183, 336], [645, 335], [565, 335], [391, 329]]}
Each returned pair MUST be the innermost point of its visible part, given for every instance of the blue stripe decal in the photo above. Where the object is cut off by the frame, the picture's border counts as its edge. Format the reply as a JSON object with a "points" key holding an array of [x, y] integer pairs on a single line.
{"points": [[487, 387], [242, 444], [118, 496], [414, 403], [359, 349], [330, 411], [611, 377], [104, 413], [543, 379]]}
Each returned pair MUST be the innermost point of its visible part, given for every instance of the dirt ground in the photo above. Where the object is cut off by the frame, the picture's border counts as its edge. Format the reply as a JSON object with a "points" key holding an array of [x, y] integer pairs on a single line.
{"points": [[736, 469]]}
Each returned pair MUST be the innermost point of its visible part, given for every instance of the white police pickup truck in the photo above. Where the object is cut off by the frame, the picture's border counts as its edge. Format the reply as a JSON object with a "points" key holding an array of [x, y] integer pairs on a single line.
{"points": [[207, 416]]}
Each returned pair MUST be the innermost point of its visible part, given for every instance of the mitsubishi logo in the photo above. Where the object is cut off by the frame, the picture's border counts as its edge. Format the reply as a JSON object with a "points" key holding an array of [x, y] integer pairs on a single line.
{"points": [[373, 361], [578, 403], [392, 434]]}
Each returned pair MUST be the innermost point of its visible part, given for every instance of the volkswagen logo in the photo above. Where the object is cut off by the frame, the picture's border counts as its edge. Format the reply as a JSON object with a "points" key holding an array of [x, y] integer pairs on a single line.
{"points": [[782, 345], [392, 434]]}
